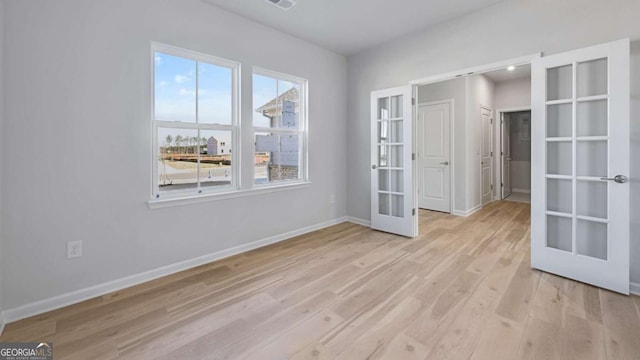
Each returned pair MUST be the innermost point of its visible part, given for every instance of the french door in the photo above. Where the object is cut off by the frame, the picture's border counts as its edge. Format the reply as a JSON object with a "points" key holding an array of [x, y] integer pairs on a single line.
{"points": [[392, 199], [580, 160]]}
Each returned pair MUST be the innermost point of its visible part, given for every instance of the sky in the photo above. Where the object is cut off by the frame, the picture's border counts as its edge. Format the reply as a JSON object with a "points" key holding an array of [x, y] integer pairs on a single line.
{"points": [[175, 95]]}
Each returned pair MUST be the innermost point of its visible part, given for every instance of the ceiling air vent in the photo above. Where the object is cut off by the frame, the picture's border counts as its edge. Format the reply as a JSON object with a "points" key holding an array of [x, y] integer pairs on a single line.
{"points": [[283, 4]]}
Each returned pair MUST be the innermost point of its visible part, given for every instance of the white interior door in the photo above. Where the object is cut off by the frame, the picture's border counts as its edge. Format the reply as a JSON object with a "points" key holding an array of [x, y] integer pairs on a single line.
{"points": [[486, 154], [392, 200], [580, 131], [434, 176], [506, 155]]}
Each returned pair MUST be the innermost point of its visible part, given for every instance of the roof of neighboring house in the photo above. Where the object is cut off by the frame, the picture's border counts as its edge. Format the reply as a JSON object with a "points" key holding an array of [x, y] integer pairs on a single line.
{"points": [[290, 95]]}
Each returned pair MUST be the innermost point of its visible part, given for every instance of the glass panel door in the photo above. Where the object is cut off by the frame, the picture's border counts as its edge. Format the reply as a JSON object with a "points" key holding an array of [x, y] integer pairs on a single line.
{"points": [[580, 105], [392, 204]]}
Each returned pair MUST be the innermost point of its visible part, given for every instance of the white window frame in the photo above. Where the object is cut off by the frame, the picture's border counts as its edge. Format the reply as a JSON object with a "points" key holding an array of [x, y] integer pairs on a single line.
{"points": [[156, 194], [302, 131]]}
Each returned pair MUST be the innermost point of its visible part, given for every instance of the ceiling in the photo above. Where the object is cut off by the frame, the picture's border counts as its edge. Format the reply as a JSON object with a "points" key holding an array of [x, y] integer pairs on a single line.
{"points": [[350, 26], [519, 72]]}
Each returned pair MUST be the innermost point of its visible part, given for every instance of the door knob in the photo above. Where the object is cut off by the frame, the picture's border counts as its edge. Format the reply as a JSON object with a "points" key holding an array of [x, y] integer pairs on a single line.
{"points": [[445, 163], [620, 179], [374, 167]]}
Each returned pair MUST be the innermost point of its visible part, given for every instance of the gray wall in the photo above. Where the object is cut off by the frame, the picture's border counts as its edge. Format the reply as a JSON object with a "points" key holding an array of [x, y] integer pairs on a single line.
{"points": [[484, 37], [80, 83], [456, 90]]}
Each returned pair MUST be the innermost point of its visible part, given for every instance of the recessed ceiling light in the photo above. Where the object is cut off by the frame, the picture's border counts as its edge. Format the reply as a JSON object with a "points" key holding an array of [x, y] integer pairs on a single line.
{"points": [[511, 68], [282, 4]]}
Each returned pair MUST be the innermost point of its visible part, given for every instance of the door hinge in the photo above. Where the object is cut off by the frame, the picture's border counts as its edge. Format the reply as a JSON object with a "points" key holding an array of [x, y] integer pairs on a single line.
{"points": [[413, 101], [413, 156], [501, 185], [492, 154], [413, 212], [491, 186], [491, 121]]}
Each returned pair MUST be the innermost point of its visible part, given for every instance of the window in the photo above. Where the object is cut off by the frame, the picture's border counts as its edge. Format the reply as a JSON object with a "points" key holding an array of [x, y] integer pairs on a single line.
{"points": [[279, 124], [195, 122]]}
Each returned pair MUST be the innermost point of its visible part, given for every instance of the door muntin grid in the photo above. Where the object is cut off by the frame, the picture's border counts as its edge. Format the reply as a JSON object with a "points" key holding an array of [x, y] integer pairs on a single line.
{"points": [[577, 150], [390, 162]]}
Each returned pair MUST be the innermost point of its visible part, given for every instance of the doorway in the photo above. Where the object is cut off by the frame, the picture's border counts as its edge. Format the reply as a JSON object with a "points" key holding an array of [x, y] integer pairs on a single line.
{"points": [[516, 156]]}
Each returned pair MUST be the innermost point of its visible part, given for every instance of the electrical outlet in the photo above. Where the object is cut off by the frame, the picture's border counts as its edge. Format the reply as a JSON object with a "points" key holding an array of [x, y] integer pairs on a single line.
{"points": [[332, 199], [74, 249]]}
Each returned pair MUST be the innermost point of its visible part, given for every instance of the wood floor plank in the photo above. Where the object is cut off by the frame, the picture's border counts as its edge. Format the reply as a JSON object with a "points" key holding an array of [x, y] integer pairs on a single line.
{"points": [[462, 289]]}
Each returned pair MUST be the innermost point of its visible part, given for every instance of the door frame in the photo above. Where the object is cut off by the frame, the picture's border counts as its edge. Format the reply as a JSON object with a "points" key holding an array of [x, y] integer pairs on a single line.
{"points": [[451, 102], [498, 65], [492, 131], [499, 114]]}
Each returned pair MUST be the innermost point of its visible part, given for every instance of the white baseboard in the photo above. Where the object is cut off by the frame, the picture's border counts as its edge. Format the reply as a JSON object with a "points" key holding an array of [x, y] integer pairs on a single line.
{"points": [[56, 302], [523, 191], [359, 221], [468, 212], [634, 288]]}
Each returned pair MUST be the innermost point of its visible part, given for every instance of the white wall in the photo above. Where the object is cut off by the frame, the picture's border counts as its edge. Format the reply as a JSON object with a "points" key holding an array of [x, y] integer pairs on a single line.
{"points": [[480, 94], [514, 93], [456, 90], [484, 37], [80, 83], [2, 21]]}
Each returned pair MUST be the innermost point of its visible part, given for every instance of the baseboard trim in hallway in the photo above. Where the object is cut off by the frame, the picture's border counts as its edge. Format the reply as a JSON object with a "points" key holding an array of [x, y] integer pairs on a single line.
{"points": [[74, 297]]}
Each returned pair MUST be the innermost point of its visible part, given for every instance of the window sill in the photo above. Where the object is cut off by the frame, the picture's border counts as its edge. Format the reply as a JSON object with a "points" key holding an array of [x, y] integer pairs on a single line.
{"points": [[195, 199]]}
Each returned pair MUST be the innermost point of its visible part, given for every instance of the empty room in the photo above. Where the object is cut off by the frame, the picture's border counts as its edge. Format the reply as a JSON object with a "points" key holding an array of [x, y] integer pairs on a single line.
{"points": [[306, 179]]}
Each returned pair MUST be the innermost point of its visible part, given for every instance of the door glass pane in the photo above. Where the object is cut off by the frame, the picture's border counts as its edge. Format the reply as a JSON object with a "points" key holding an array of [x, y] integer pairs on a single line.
{"points": [[397, 181], [591, 199], [592, 118], [383, 131], [396, 156], [592, 158], [591, 239], [383, 108], [559, 195], [559, 158], [383, 180], [560, 83], [559, 232], [396, 131], [397, 205], [383, 155], [592, 78], [396, 106], [383, 203], [215, 157], [559, 120]]}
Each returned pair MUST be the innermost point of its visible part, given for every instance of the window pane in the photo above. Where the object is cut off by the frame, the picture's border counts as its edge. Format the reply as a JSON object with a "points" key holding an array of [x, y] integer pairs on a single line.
{"points": [[277, 157], [215, 158], [214, 94], [175, 88], [276, 103], [177, 159], [265, 91]]}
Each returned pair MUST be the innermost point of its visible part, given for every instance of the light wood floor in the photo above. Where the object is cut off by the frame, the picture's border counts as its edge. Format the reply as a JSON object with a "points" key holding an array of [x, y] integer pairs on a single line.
{"points": [[462, 290]]}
